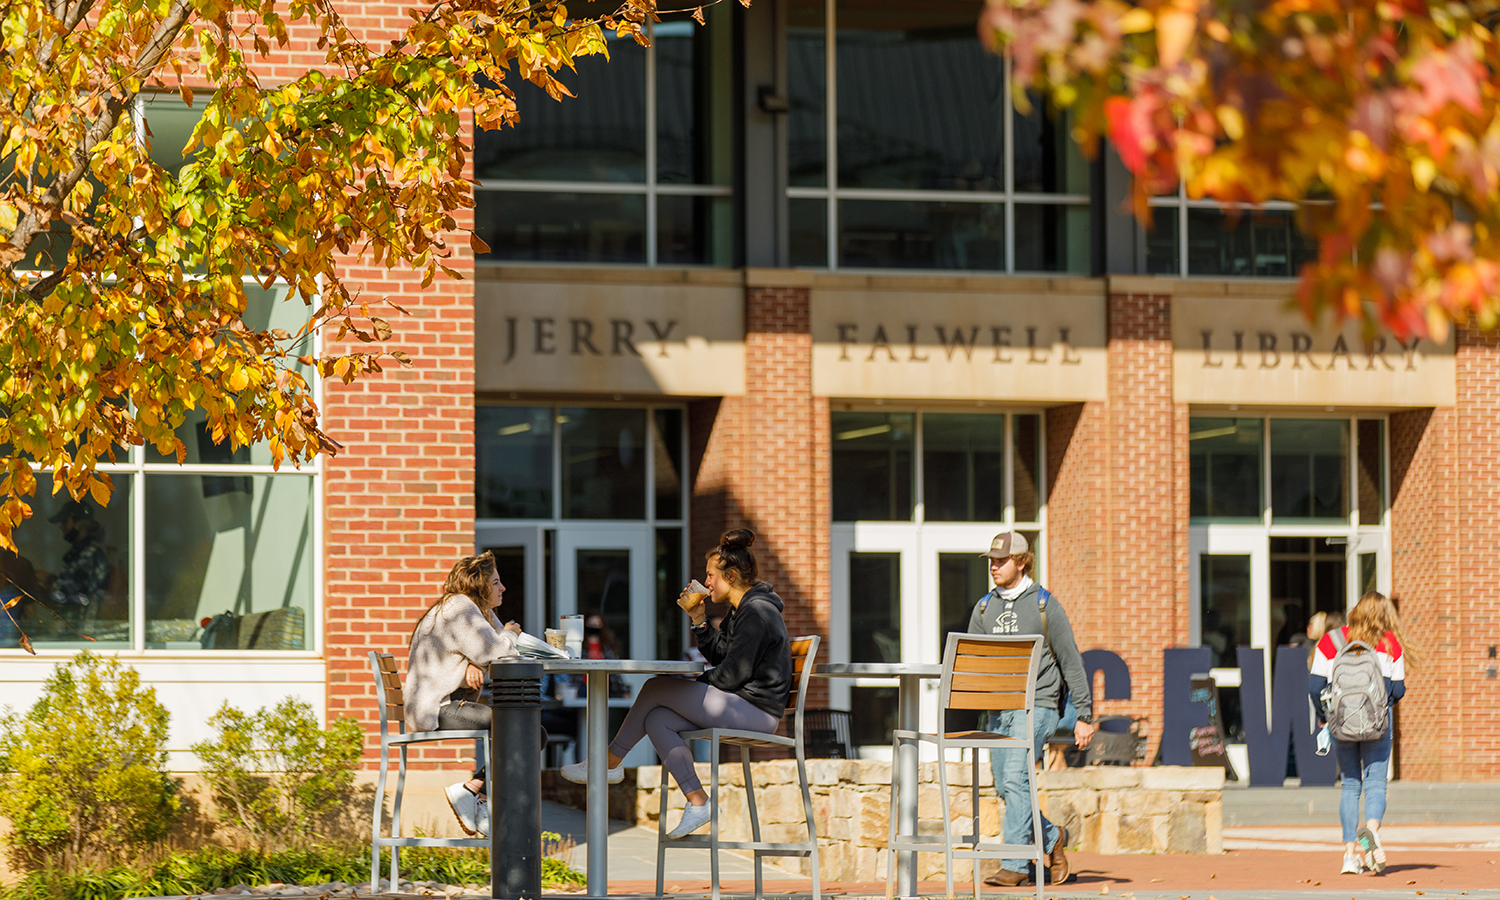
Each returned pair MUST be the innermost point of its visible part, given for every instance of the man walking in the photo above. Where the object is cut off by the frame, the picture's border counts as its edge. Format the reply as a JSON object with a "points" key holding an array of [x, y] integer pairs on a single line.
{"points": [[1019, 605]]}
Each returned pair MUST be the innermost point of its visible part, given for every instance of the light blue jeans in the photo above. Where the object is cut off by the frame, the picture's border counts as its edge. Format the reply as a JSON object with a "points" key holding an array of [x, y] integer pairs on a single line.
{"points": [[1012, 779], [1364, 765]]}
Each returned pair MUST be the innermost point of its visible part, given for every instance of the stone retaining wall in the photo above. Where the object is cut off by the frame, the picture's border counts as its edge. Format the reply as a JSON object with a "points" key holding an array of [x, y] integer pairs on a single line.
{"points": [[1110, 810]]}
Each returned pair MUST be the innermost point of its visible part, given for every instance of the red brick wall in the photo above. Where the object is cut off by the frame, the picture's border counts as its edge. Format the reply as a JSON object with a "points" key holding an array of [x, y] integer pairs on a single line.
{"points": [[1476, 716]]}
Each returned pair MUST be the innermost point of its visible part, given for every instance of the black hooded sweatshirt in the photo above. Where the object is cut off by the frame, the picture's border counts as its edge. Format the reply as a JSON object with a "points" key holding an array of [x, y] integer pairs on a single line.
{"points": [[750, 652]]}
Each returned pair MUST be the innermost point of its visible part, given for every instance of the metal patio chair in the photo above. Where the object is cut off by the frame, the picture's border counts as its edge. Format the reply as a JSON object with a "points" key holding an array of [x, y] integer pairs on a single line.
{"points": [[804, 651], [980, 672], [393, 735]]}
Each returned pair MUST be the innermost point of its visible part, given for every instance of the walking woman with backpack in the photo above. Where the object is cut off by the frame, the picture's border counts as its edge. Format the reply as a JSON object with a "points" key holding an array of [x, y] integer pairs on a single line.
{"points": [[1358, 674]]}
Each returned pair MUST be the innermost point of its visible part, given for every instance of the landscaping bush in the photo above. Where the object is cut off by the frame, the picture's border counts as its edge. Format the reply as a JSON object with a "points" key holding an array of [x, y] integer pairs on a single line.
{"points": [[276, 775], [86, 768]]}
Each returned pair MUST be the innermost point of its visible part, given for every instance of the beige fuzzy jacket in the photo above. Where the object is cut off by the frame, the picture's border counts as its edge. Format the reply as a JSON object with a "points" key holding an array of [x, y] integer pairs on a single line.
{"points": [[448, 638]]}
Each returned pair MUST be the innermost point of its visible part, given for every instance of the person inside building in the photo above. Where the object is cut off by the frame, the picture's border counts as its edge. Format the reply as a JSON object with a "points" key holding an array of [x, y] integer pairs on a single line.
{"points": [[1018, 605], [451, 648], [747, 688], [1363, 763], [18, 596]]}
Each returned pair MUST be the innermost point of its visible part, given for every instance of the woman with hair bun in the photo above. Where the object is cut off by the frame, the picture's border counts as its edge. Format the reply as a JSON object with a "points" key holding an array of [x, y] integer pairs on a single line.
{"points": [[746, 689]]}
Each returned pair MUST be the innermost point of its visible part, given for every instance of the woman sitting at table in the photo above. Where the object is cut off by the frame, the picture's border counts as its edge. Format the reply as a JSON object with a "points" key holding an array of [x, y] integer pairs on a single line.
{"points": [[452, 645], [746, 689]]}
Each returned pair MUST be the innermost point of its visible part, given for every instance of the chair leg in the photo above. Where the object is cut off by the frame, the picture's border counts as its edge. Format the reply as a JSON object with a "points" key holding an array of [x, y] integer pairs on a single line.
{"points": [[754, 815], [377, 817], [942, 772], [713, 819], [396, 821], [661, 836], [1040, 839], [974, 808], [890, 849], [812, 825]]}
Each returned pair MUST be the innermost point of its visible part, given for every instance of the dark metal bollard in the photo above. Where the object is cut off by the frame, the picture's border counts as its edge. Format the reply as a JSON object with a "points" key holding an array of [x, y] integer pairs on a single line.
{"points": [[516, 773]]}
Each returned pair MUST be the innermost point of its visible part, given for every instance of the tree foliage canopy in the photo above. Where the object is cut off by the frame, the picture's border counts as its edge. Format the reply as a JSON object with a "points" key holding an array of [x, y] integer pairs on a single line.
{"points": [[1380, 118], [123, 283]]}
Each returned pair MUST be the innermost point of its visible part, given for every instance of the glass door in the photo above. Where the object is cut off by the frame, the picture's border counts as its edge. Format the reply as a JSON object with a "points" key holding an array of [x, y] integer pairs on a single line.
{"points": [[520, 557]]}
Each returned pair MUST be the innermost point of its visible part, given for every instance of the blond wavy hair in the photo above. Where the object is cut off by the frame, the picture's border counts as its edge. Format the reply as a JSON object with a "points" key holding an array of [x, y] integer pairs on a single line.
{"points": [[1372, 617], [469, 579]]}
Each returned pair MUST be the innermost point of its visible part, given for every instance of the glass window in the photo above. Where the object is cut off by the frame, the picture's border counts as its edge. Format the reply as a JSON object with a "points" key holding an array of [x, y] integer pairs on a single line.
{"points": [[921, 234], [872, 466], [1225, 468], [669, 582], [1309, 468], [666, 448], [544, 226], [510, 565], [603, 579], [1027, 467], [875, 616], [694, 230], [694, 97], [963, 467], [1248, 243], [603, 463], [1371, 471], [1163, 252], [1051, 237], [1225, 612], [962, 579], [71, 571], [920, 102], [806, 46], [171, 123], [239, 546], [513, 462], [809, 232], [1047, 159], [1307, 576]]}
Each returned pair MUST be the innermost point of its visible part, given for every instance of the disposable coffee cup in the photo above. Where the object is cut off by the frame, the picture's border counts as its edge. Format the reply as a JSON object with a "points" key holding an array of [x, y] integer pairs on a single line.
{"points": [[697, 587], [556, 637], [572, 627]]}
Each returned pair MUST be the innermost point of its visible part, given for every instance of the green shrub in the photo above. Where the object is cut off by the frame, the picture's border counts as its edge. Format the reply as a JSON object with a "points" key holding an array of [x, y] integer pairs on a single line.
{"points": [[277, 774], [85, 766]]}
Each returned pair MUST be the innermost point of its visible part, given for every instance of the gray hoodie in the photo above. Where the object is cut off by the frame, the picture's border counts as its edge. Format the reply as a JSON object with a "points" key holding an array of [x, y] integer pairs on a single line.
{"points": [[994, 615]]}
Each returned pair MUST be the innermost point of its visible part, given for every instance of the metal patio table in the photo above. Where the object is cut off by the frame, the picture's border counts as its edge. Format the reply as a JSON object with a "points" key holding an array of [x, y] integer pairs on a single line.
{"points": [[597, 744], [908, 678]]}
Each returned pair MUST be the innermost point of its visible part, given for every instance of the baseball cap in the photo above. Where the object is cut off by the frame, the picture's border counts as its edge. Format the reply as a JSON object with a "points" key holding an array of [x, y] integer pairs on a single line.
{"points": [[1006, 544], [73, 509]]}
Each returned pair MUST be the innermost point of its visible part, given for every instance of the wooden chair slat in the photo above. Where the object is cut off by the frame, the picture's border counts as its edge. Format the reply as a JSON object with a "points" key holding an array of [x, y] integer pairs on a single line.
{"points": [[998, 665], [391, 680], [993, 700], [800, 648], [983, 648], [387, 662], [968, 682]]}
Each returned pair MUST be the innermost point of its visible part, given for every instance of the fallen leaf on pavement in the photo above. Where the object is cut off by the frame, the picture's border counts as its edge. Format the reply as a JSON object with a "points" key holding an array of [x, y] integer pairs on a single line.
{"points": [[1104, 888], [1413, 881]]}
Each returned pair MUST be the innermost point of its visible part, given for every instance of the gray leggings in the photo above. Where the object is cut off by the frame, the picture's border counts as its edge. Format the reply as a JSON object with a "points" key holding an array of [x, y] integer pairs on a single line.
{"points": [[668, 706], [466, 715]]}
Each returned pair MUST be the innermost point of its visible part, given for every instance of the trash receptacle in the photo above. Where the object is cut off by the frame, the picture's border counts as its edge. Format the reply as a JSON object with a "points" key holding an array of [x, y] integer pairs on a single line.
{"points": [[515, 764]]}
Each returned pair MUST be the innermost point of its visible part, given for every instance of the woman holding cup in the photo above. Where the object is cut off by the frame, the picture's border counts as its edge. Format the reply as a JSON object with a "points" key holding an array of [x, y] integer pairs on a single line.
{"points": [[746, 689]]}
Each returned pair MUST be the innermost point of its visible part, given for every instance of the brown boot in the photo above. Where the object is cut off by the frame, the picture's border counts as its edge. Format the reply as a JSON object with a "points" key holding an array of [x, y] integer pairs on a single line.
{"points": [[1058, 871], [1007, 878]]}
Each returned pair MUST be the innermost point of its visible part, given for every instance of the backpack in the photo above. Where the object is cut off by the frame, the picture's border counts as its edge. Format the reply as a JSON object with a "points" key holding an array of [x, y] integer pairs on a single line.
{"points": [[1355, 703], [1043, 595]]}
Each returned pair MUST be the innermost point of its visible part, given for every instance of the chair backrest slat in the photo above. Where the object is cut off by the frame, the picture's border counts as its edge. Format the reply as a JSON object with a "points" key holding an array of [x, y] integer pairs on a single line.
{"points": [[388, 690], [804, 649], [990, 672]]}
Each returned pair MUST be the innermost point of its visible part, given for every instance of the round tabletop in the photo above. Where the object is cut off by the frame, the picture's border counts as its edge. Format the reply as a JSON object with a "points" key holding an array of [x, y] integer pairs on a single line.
{"points": [[623, 666], [879, 670]]}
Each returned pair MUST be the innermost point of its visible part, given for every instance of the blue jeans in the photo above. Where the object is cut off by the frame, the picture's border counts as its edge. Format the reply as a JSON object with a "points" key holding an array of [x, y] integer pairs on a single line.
{"points": [[1363, 764], [1012, 779]]}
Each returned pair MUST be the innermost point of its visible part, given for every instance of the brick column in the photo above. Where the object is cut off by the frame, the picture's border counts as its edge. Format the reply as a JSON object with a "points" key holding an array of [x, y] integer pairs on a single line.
{"points": [[1117, 504], [399, 499], [1466, 662]]}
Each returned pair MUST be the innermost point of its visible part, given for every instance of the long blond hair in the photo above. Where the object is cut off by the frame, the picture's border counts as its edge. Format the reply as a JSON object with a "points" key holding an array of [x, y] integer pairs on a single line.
{"points": [[1372, 617], [470, 579], [1320, 624]]}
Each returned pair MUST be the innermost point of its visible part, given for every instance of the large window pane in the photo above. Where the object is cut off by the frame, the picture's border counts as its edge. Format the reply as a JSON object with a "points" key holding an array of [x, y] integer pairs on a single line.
{"points": [[669, 583], [264, 310], [962, 579], [807, 88], [1224, 468], [71, 571], [1309, 468], [1224, 582], [666, 448], [561, 227], [963, 467], [872, 466], [1371, 471], [603, 463], [875, 614], [1047, 159], [1252, 243], [1027, 467], [1163, 253], [597, 135], [694, 97], [513, 462], [809, 232], [920, 102], [886, 234], [1052, 238], [171, 123], [236, 546], [694, 231], [603, 579], [1307, 577]]}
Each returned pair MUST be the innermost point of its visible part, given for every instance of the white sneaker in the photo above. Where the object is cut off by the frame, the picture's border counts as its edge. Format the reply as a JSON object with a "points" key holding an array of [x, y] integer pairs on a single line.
{"points": [[1351, 863], [1369, 841], [465, 806], [578, 772], [693, 818], [482, 816]]}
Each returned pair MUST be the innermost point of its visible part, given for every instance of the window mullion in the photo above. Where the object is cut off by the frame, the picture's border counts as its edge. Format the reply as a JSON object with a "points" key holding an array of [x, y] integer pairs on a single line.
{"points": [[830, 127], [651, 229]]}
